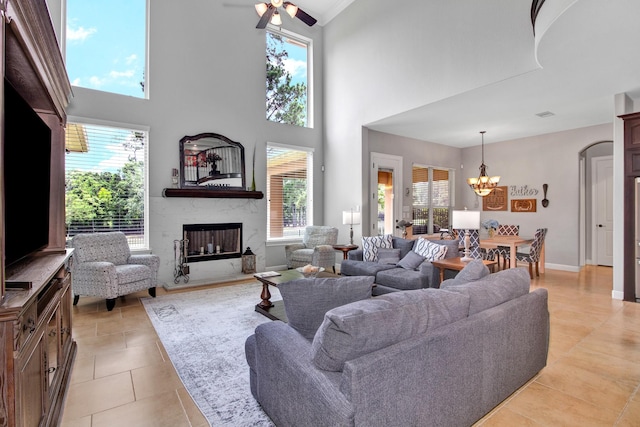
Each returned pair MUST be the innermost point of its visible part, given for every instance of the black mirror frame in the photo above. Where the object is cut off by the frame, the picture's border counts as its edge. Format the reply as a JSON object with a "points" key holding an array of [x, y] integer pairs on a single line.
{"points": [[223, 140]]}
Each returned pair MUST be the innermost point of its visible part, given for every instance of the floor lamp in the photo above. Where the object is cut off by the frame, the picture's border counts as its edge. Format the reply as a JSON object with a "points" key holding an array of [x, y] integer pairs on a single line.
{"points": [[466, 220], [350, 218]]}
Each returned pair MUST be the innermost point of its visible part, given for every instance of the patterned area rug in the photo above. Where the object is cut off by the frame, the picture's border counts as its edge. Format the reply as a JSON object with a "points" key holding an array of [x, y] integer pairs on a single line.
{"points": [[204, 334]]}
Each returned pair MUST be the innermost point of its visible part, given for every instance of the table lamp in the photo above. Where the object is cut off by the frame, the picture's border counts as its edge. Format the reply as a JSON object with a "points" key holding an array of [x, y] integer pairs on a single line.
{"points": [[350, 218], [466, 220]]}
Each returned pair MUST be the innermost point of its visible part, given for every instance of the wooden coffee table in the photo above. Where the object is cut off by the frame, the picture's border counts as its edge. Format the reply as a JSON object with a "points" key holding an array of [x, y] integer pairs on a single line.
{"points": [[457, 264], [275, 310]]}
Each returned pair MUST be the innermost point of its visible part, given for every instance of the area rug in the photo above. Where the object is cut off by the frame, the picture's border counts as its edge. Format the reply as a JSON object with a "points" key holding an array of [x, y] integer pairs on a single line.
{"points": [[204, 333]]}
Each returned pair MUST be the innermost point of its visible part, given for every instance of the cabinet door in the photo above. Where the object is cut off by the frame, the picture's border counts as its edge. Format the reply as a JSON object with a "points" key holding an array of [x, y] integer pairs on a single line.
{"points": [[30, 385], [52, 337], [65, 320]]}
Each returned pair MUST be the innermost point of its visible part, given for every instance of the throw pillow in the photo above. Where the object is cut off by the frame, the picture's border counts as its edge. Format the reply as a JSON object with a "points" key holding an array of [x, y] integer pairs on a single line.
{"points": [[388, 256], [411, 261], [405, 245], [371, 244], [429, 250], [363, 327], [307, 300]]}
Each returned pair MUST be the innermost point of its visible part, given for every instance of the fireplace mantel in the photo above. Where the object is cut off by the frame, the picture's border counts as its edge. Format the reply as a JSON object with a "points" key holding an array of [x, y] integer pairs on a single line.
{"points": [[211, 194]]}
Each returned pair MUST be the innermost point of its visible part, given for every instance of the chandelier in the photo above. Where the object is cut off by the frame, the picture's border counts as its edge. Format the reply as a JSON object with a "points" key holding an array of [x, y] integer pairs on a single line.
{"points": [[483, 184]]}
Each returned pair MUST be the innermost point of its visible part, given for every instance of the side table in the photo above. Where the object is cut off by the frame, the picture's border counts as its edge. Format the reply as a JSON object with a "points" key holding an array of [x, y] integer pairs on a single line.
{"points": [[345, 249]]}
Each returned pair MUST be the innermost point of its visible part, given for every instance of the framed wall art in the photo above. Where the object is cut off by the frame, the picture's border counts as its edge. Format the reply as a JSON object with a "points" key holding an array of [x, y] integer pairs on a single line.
{"points": [[497, 200], [523, 205]]}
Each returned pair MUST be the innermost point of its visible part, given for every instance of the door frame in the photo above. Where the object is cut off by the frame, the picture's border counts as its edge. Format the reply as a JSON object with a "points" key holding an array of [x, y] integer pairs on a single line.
{"points": [[594, 208], [384, 161]]}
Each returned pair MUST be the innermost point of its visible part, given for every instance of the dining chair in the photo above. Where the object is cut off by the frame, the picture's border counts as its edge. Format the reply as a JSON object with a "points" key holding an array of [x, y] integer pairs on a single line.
{"points": [[496, 253], [533, 256]]}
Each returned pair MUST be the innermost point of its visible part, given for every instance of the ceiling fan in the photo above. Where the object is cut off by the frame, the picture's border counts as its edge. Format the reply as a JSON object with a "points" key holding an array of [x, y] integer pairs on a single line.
{"points": [[269, 12]]}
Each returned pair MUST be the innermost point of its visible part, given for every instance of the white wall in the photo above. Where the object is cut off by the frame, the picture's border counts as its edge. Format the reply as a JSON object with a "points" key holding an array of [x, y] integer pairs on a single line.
{"points": [[374, 52], [207, 74], [552, 159]]}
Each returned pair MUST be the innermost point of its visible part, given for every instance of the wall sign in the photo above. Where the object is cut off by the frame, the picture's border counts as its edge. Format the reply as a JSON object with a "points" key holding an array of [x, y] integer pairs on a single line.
{"points": [[497, 200], [522, 191], [523, 205]]}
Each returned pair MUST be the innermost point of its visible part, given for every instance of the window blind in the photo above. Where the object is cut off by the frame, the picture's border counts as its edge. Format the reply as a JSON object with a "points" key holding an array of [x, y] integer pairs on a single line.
{"points": [[287, 191], [105, 181]]}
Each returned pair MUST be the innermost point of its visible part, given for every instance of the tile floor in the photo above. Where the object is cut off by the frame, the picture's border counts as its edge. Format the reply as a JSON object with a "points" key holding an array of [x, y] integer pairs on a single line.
{"points": [[123, 377]]}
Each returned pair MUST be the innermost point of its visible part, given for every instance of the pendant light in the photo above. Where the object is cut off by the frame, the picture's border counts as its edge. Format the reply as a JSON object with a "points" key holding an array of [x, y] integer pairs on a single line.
{"points": [[483, 184]]}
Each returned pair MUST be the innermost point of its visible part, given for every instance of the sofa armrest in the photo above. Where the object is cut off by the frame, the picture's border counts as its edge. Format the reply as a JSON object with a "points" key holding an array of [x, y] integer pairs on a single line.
{"points": [[96, 278], [433, 274], [355, 255], [150, 260], [286, 374], [290, 248]]}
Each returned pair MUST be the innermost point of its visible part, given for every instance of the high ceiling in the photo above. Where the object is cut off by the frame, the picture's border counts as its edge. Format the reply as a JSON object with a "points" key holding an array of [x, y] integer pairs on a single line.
{"points": [[586, 57]]}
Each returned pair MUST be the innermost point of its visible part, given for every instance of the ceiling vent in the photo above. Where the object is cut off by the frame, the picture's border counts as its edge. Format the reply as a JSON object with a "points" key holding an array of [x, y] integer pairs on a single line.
{"points": [[545, 114]]}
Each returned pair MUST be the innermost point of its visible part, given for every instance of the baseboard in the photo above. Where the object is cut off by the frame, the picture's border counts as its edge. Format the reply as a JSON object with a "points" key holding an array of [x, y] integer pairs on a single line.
{"points": [[617, 295], [562, 267]]}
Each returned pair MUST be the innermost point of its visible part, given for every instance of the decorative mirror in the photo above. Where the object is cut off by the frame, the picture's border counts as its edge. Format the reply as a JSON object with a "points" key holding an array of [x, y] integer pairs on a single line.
{"points": [[210, 160]]}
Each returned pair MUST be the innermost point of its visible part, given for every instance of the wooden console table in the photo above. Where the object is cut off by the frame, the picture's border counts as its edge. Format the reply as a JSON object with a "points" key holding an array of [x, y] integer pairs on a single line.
{"points": [[37, 347]]}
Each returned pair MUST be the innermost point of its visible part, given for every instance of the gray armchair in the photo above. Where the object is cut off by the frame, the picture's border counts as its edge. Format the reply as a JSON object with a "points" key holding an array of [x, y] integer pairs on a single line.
{"points": [[316, 248], [103, 266]]}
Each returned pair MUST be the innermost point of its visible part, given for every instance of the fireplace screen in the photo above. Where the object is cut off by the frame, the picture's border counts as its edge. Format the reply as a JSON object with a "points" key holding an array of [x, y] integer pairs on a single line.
{"points": [[206, 242]]}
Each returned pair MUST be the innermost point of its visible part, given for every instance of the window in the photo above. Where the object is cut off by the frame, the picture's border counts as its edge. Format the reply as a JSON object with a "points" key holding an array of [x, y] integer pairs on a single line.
{"points": [[105, 181], [288, 78], [289, 191], [431, 203], [106, 45]]}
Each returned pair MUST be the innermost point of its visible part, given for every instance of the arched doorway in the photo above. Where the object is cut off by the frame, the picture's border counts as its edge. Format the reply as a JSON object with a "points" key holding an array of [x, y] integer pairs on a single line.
{"points": [[596, 231]]}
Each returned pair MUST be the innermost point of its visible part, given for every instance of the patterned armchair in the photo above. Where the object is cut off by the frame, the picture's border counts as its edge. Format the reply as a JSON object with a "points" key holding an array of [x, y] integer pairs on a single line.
{"points": [[103, 266], [316, 248]]}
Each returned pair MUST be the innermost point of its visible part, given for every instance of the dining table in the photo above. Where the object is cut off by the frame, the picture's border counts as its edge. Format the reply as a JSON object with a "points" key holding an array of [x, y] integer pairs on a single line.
{"points": [[512, 242]]}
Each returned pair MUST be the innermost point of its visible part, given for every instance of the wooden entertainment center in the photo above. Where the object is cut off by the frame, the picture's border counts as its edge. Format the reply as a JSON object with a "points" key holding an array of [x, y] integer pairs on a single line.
{"points": [[36, 341]]}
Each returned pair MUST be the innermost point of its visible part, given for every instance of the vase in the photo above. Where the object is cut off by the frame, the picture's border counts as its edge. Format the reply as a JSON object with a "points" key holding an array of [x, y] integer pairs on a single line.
{"points": [[253, 183]]}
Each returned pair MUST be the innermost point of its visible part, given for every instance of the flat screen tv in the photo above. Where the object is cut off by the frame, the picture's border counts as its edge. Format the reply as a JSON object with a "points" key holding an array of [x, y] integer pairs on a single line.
{"points": [[26, 171]]}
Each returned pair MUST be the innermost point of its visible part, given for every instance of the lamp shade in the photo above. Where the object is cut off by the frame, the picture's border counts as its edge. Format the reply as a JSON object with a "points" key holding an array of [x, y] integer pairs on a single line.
{"points": [[466, 220], [350, 217]]}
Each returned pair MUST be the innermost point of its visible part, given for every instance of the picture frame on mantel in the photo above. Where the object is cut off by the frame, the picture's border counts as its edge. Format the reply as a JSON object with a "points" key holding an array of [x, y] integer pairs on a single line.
{"points": [[497, 200]]}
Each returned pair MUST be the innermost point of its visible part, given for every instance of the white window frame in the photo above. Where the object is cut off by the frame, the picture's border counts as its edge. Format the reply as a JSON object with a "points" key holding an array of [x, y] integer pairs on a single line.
{"points": [[310, 186], [145, 77], [430, 206], [133, 127], [309, 43]]}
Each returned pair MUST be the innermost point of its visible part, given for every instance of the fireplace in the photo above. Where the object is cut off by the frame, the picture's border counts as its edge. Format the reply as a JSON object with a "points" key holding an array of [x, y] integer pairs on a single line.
{"points": [[207, 242]]}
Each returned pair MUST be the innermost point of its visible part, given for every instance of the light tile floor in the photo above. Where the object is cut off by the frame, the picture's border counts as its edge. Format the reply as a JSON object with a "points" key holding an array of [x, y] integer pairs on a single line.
{"points": [[123, 377]]}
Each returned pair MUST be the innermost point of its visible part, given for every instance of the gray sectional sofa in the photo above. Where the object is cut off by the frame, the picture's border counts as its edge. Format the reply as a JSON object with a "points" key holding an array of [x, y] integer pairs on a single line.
{"points": [[436, 357], [391, 277]]}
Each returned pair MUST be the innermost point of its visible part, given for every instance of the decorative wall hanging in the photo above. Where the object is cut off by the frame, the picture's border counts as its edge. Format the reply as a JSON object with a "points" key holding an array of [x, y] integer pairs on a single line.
{"points": [[545, 201], [497, 200], [523, 205]]}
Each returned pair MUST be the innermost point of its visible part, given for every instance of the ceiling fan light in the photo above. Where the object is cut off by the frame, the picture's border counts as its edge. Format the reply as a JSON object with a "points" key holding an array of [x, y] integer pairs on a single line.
{"points": [[261, 8], [275, 19], [291, 9], [277, 3]]}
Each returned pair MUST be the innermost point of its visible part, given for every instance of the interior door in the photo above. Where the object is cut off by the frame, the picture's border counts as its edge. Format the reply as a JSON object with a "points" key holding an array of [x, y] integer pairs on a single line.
{"points": [[385, 190], [603, 209]]}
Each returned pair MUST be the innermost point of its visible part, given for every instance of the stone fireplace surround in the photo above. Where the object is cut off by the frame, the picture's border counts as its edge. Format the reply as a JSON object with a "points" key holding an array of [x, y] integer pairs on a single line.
{"points": [[169, 214]]}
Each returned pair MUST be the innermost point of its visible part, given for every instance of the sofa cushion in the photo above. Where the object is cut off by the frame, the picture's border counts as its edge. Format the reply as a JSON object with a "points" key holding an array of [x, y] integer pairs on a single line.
{"points": [[475, 270], [362, 268], [307, 300], [405, 245], [362, 327], [412, 261], [493, 289], [388, 256], [429, 250], [371, 244], [402, 279]]}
